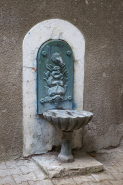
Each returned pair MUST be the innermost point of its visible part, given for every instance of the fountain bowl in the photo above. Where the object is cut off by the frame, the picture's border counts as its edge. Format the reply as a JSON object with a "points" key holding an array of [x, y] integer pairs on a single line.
{"points": [[68, 120]]}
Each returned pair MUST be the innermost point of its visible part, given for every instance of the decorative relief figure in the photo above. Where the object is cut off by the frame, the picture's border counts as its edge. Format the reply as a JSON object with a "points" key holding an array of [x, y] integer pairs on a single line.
{"points": [[55, 78]]}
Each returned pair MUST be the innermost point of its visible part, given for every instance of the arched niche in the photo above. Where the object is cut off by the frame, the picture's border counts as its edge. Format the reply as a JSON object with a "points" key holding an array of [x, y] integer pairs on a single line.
{"points": [[38, 135]]}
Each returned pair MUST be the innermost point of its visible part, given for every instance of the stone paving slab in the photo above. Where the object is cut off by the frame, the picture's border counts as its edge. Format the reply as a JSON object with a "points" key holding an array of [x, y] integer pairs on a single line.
{"points": [[118, 176], [85, 178], [43, 182], [105, 182], [3, 166], [27, 172], [103, 176], [83, 164], [7, 180], [8, 172], [22, 178], [64, 181], [116, 182]]}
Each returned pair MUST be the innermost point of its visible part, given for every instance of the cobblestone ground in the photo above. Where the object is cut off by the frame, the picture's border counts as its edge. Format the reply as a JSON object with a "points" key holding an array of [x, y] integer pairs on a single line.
{"points": [[26, 172]]}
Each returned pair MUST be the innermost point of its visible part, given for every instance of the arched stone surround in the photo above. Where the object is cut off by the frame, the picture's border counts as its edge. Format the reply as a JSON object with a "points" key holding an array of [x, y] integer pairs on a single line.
{"points": [[38, 135]]}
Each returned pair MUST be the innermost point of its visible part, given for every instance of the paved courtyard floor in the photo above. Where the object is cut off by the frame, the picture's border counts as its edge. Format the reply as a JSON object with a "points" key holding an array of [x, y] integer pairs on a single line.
{"points": [[26, 172]]}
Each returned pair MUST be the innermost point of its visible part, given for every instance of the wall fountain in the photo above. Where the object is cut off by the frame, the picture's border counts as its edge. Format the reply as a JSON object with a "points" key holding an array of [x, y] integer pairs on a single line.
{"points": [[55, 92], [53, 82]]}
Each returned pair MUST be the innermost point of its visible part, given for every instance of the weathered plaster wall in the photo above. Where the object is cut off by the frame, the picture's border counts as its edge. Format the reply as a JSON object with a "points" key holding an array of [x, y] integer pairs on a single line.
{"points": [[101, 24]]}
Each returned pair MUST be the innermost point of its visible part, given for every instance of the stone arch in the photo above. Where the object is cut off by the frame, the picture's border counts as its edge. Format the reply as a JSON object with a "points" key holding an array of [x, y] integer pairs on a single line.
{"points": [[39, 136]]}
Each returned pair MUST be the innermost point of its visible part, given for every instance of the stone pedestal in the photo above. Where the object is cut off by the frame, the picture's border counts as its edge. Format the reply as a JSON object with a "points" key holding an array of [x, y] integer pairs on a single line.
{"points": [[83, 164], [65, 154]]}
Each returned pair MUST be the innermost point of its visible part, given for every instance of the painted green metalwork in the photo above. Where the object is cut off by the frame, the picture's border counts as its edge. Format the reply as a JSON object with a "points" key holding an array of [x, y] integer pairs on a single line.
{"points": [[55, 76]]}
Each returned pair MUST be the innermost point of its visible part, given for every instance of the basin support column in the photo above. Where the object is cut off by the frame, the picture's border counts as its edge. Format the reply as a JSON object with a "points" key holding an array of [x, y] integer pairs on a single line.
{"points": [[65, 154]]}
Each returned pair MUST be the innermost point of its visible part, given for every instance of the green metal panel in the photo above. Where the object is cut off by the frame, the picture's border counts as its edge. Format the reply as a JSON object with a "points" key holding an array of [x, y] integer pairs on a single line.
{"points": [[55, 76]]}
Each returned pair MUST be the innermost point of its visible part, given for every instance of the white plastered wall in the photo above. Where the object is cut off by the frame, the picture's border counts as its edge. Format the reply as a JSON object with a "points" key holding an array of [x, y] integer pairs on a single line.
{"points": [[38, 135]]}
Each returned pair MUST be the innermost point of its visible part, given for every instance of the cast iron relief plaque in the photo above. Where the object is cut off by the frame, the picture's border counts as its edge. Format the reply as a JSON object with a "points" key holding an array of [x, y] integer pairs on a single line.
{"points": [[55, 76]]}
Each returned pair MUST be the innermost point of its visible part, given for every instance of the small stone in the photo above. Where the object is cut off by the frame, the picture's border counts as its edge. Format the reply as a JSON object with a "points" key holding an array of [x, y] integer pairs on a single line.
{"points": [[93, 155]]}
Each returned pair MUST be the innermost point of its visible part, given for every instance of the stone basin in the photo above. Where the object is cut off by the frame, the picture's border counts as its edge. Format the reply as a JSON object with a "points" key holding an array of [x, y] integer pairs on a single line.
{"points": [[68, 120]]}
